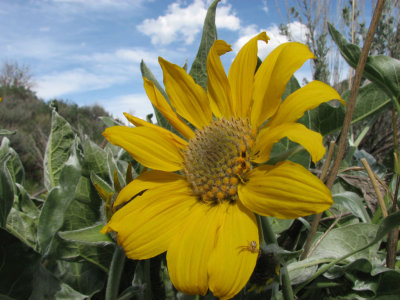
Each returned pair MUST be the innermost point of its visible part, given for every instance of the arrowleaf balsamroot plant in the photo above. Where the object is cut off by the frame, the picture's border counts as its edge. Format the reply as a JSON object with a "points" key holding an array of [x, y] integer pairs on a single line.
{"points": [[200, 199]]}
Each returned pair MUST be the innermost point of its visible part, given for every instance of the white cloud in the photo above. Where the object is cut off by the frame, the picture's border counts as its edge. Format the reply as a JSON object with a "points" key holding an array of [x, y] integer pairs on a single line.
{"points": [[100, 4], [181, 23], [296, 28], [135, 104], [75, 80], [265, 7]]}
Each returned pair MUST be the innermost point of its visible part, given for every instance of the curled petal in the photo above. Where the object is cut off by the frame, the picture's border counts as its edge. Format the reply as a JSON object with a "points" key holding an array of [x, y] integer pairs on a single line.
{"points": [[188, 98], [305, 98], [298, 133], [148, 222], [286, 190], [218, 89], [241, 76], [150, 146], [233, 260], [272, 76]]}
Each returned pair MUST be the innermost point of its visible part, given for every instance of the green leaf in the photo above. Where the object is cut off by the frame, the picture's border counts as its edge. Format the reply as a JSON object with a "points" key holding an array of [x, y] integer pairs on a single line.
{"points": [[388, 223], [95, 158], [370, 101], [110, 121], [353, 203], [199, 67], [58, 200], [58, 149], [383, 70], [7, 132], [84, 209], [344, 240], [14, 163], [6, 193], [83, 277], [327, 119], [87, 235], [23, 226]]}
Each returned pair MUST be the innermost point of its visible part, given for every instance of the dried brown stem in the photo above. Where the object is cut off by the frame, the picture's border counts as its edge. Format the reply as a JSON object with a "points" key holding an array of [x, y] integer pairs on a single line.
{"points": [[376, 188], [354, 92]]}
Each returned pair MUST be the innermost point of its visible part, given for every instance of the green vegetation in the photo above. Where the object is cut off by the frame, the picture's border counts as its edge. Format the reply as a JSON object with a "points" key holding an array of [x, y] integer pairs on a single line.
{"points": [[29, 117]]}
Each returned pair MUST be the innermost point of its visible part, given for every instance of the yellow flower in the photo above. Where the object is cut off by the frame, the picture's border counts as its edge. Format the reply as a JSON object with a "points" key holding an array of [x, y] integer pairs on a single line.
{"points": [[199, 201]]}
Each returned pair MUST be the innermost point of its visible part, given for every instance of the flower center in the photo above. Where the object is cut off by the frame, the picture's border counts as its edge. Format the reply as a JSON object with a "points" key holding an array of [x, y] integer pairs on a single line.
{"points": [[216, 159]]}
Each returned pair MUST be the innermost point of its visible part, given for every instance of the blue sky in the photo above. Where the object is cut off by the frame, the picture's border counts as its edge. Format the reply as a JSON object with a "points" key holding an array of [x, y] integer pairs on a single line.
{"points": [[89, 51]]}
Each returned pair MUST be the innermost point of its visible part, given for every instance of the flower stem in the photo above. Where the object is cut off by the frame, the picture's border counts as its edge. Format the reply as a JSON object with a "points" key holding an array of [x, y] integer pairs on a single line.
{"points": [[270, 238], [114, 275]]}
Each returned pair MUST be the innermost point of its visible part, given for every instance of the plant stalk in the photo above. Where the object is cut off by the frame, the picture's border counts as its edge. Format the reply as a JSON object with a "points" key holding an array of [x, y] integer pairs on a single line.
{"points": [[270, 238], [114, 275]]}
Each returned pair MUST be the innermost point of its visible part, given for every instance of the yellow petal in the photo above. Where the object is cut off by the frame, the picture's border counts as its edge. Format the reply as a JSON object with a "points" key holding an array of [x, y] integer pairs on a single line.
{"points": [[148, 223], [162, 105], [241, 76], [305, 98], [149, 146], [286, 190], [298, 133], [272, 76], [234, 258], [188, 98], [218, 89], [189, 252], [139, 122], [149, 180]]}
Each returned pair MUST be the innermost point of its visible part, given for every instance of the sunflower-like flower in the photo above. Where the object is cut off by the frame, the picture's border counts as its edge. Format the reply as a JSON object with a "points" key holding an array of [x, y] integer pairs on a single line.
{"points": [[199, 202]]}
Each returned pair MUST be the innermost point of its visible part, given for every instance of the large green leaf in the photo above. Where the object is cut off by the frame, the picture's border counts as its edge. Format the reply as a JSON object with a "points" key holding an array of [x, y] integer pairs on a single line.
{"points": [[6, 192], [95, 158], [326, 118], [383, 70], [353, 203], [344, 240], [89, 235], [199, 67], [23, 226], [370, 100], [58, 200], [58, 149], [84, 209]]}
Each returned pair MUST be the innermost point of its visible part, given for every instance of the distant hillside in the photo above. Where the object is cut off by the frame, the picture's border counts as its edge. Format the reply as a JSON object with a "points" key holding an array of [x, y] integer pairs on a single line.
{"points": [[22, 111]]}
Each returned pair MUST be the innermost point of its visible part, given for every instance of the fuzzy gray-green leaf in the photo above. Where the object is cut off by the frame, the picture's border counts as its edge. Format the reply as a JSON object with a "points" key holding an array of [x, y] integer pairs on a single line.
{"points": [[199, 70], [58, 149]]}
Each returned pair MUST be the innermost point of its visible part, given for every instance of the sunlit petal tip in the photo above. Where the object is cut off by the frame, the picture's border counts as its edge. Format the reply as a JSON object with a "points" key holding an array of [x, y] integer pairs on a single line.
{"points": [[241, 76], [106, 228], [187, 97], [272, 76]]}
